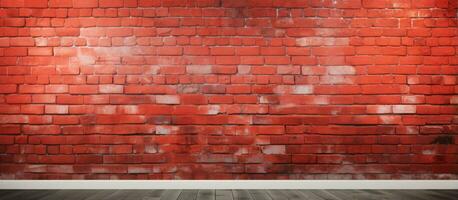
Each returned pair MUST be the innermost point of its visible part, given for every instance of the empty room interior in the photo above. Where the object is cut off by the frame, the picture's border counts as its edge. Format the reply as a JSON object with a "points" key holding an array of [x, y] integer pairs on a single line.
{"points": [[228, 99]]}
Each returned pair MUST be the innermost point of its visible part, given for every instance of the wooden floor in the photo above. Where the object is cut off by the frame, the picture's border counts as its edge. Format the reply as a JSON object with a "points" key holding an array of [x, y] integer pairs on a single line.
{"points": [[226, 194]]}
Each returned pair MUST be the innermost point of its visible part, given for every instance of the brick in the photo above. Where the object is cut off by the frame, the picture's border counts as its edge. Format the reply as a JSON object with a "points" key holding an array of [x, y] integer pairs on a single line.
{"points": [[19, 98], [55, 89], [111, 89], [222, 51], [12, 3], [192, 99], [56, 109], [199, 69], [36, 3], [341, 70], [83, 89], [40, 51], [302, 89], [61, 3], [441, 51], [169, 51], [65, 120], [111, 3], [274, 149], [5, 89], [167, 99], [404, 109], [32, 109], [41, 129], [22, 41], [379, 109], [85, 4]]}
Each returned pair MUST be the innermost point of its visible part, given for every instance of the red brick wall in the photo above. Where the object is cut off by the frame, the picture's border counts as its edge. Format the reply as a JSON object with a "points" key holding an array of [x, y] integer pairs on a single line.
{"points": [[228, 89]]}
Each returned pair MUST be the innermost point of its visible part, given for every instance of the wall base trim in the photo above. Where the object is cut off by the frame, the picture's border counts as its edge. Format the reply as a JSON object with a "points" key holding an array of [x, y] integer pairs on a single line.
{"points": [[229, 184]]}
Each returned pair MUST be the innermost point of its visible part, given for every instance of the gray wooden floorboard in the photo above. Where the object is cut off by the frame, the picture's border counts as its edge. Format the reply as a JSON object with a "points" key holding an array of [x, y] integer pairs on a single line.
{"points": [[228, 194], [293, 195], [30, 194], [223, 195], [259, 195], [309, 195], [188, 195], [241, 195], [68, 195], [206, 195], [170, 195], [449, 193], [277, 194], [99, 194]]}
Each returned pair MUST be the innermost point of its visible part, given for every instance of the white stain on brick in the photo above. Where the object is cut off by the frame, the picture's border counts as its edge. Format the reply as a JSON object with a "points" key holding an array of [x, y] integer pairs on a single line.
{"points": [[241, 151], [243, 69], [56, 109], [413, 99], [389, 119], [336, 80], [302, 89], [41, 42], [213, 109], [341, 70], [167, 99], [129, 109], [282, 89], [321, 100], [111, 89], [454, 100], [86, 60], [166, 130], [106, 110], [274, 149], [404, 109], [379, 109], [151, 148], [199, 69], [322, 41]]}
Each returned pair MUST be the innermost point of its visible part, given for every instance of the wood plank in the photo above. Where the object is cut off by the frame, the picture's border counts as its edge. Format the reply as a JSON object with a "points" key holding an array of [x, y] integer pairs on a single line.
{"points": [[309, 194], [148, 194], [420, 194], [241, 195], [99, 194], [9, 194], [259, 195], [188, 195], [276, 194], [439, 194], [356, 194], [396, 194], [293, 195], [449, 193], [69, 195], [361, 194], [27, 194], [206, 195], [325, 195], [223, 195], [170, 195], [4, 194], [142, 194]]}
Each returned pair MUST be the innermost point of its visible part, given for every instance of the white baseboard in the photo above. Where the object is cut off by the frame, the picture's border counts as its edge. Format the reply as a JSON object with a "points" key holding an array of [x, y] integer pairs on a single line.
{"points": [[229, 184]]}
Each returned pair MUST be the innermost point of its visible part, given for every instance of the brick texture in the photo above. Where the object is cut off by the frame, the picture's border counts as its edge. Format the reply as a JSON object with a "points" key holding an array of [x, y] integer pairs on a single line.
{"points": [[228, 89]]}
